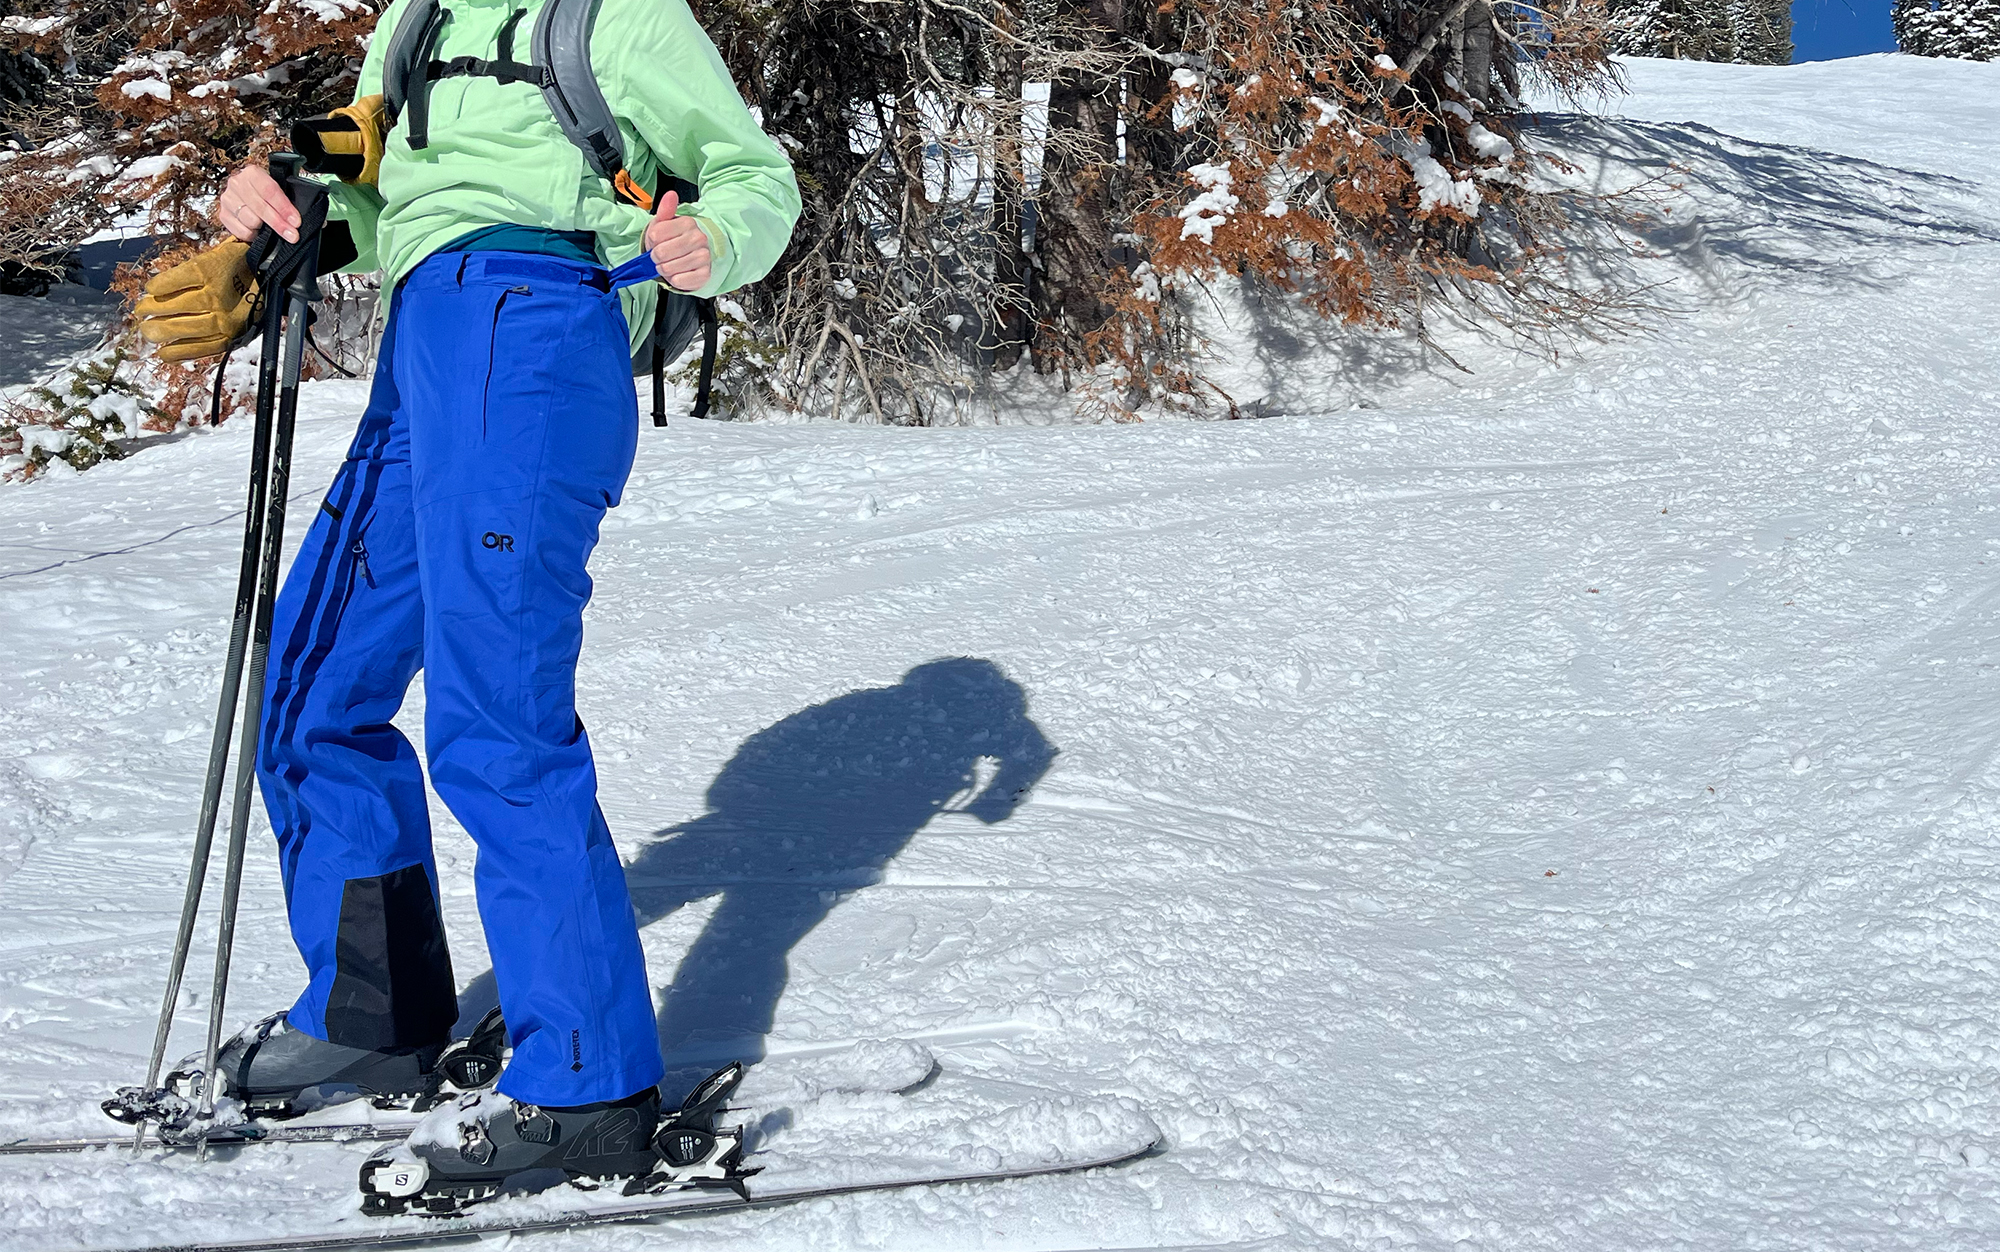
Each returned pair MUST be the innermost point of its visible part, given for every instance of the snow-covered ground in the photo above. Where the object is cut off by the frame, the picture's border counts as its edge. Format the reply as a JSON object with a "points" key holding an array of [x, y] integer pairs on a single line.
{"points": [[38, 334], [1554, 808]]}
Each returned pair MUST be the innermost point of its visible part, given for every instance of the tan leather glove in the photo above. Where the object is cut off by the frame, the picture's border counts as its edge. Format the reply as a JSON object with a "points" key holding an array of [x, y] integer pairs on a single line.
{"points": [[346, 143], [199, 307]]}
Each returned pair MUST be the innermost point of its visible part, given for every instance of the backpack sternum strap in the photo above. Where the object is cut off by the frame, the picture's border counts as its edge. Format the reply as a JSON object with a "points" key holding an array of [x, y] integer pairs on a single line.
{"points": [[503, 67], [473, 67]]}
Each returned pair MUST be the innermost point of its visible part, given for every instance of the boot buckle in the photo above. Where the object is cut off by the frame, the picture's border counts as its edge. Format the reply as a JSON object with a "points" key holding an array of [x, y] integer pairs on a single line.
{"points": [[533, 1125], [474, 1144]]}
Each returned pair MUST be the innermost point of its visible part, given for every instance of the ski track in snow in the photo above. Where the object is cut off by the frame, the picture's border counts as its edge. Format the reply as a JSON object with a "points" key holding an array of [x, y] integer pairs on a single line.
{"points": [[1553, 809]]}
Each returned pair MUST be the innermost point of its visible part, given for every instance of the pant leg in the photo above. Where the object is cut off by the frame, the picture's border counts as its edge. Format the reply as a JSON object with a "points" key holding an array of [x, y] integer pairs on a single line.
{"points": [[524, 425], [342, 785]]}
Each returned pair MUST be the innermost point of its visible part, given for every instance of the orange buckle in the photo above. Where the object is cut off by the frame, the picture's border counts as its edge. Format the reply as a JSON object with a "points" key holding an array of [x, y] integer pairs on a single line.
{"points": [[632, 191]]}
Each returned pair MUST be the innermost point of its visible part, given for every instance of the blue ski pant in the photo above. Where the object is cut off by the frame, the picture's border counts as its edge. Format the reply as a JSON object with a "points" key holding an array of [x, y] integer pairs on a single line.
{"points": [[454, 540]]}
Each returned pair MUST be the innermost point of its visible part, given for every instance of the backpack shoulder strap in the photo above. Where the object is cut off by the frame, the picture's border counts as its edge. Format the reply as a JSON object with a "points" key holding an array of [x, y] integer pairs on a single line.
{"points": [[560, 66], [406, 65], [562, 44]]}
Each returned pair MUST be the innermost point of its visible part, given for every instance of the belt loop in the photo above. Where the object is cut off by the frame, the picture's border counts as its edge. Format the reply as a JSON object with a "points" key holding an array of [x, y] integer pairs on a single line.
{"points": [[464, 259]]}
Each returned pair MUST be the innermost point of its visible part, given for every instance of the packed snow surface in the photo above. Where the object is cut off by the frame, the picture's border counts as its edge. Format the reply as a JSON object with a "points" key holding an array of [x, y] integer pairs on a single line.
{"points": [[1556, 807], [38, 334]]}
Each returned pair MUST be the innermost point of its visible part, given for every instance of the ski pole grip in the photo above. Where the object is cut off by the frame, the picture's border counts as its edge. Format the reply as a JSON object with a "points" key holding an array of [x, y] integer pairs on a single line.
{"points": [[283, 167]]}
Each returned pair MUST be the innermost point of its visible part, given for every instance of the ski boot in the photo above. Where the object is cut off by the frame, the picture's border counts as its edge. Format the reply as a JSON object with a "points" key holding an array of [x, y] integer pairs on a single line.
{"points": [[271, 1072], [486, 1144]]}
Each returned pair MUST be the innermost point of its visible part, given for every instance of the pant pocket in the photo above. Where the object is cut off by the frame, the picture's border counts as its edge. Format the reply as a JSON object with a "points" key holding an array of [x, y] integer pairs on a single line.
{"points": [[493, 353]]}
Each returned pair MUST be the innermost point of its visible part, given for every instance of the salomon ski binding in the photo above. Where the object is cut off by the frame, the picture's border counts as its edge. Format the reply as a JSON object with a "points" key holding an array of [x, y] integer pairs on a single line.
{"points": [[487, 1144]]}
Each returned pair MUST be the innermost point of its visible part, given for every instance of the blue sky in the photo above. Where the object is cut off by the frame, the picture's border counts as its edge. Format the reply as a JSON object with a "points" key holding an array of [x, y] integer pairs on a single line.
{"points": [[1825, 29]]}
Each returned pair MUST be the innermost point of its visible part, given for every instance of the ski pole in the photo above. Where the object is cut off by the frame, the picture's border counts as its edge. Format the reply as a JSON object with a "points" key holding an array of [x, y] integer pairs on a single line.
{"points": [[225, 713], [301, 287]]}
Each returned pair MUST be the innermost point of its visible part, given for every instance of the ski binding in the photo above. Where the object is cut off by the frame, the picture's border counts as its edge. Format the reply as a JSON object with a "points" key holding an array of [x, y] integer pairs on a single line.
{"points": [[693, 1152]]}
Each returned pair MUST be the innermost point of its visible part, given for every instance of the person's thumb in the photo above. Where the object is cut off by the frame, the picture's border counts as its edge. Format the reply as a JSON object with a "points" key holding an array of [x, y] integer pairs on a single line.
{"points": [[668, 204]]}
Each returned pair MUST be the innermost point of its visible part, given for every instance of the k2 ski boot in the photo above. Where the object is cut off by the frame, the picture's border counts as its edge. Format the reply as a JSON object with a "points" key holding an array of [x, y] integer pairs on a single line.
{"points": [[486, 1144]]}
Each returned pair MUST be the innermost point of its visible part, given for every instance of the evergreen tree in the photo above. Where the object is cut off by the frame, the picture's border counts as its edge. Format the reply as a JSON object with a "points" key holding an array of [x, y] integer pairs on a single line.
{"points": [[116, 112], [1747, 32], [1969, 29]]}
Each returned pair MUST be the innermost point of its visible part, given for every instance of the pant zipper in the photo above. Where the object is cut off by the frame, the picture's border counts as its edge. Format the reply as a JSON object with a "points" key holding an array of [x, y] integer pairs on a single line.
{"points": [[492, 347]]}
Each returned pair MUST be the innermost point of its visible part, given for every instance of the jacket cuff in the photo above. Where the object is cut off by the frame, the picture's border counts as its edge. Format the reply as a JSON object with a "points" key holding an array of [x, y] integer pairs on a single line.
{"points": [[720, 254]]}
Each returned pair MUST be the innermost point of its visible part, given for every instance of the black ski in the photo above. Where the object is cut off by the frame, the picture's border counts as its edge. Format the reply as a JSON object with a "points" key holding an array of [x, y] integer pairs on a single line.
{"points": [[255, 1130], [242, 1135], [613, 1210]]}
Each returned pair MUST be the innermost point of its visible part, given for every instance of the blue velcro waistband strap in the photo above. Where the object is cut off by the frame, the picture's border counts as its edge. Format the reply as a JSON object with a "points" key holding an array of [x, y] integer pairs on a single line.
{"points": [[445, 269], [637, 270]]}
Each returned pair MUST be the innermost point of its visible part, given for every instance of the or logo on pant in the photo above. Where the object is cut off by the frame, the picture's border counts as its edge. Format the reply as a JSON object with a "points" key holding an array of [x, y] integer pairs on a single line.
{"points": [[576, 1052], [497, 542]]}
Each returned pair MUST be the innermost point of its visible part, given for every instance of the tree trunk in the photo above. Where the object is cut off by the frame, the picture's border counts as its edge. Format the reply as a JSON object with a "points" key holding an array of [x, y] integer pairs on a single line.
{"points": [[1151, 146], [1477, 71], [1073, 208], [1009, 337]]}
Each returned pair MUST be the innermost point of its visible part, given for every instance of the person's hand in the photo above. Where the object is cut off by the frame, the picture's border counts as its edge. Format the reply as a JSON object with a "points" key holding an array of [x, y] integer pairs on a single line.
{"points": [[678, 245], [253, 199]]}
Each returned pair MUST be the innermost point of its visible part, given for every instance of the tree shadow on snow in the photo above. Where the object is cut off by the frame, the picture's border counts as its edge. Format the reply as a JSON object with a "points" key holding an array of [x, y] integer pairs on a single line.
{"points": [[1761, 206], [1646, 206], [808, 811]]}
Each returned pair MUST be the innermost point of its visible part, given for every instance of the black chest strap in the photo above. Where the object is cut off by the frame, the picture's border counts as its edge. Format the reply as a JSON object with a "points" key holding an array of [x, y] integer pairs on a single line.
{"points": [[415, 105], [560, 66]]}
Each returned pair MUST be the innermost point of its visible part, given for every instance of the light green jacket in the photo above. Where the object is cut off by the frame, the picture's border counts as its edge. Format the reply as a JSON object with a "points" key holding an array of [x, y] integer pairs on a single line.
{"points": [[496, 155]]}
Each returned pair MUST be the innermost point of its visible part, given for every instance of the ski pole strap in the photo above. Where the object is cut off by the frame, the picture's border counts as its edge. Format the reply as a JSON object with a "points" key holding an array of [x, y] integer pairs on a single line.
{"points": [[215, 400], [275, 261], [280, 259]]}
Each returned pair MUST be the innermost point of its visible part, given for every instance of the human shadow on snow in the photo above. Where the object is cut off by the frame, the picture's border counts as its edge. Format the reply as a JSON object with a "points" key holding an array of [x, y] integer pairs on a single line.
{"points": [[808, 811]]}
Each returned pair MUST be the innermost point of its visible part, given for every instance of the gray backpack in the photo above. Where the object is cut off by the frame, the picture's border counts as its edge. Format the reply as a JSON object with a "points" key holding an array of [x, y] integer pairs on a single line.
{"points": [[561, 69]]}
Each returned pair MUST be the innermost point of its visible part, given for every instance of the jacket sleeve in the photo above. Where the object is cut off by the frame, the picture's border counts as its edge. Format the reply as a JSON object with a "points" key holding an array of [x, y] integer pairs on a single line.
{"points": [[668, 81], [360, 207]]}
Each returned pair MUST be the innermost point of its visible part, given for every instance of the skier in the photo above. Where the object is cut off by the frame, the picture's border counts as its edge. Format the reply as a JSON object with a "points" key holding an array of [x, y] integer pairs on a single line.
{"points": [[455, 539]]}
